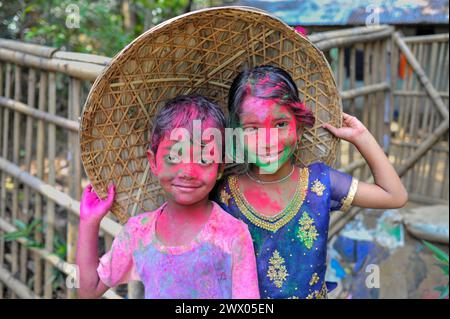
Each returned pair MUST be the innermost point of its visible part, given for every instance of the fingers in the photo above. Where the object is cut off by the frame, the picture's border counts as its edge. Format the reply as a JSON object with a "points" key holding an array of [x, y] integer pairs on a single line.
{"points": [[87, 190], [331, 128], [111, 193]]}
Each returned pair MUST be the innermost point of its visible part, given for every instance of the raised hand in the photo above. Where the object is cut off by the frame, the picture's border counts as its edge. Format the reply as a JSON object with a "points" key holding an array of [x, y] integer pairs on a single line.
{"points": [[352, 129], [92, 208]]}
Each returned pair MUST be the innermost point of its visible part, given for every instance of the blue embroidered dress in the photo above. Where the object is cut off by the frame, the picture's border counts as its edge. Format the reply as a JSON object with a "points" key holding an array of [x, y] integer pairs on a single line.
{"points": [[291, 246]]}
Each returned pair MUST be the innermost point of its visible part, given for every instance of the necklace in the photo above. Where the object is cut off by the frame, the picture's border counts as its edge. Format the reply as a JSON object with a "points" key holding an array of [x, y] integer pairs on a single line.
{"points": [[253, 178]]}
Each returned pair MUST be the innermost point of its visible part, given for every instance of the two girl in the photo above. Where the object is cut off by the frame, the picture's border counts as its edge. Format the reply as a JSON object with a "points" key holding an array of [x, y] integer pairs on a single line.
{"points": [[190, 248]]}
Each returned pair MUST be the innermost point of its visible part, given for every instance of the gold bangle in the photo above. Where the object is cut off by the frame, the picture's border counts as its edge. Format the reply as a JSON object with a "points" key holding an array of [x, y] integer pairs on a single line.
{"points": [[347, 200]]}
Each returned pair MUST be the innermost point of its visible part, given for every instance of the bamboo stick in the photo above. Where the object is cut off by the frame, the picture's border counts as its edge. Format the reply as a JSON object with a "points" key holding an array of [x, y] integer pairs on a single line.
{"points": [[75, 173], [73, 206], [365, 90], [56, 120], [28, 155], [63, 266], [38, 214], [434, 95], [443, 37], [418, 93], [50, 225], [348, 40], [4, 155], [82, 57], [328, 35], [17, 287], [365, 119], [79, 70], [16, 149], [352, 83], [427, 144], [30, 48]]}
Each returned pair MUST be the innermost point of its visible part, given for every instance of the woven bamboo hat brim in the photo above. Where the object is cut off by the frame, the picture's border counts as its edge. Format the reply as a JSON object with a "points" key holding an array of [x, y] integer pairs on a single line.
{"points": [[199, 52]]}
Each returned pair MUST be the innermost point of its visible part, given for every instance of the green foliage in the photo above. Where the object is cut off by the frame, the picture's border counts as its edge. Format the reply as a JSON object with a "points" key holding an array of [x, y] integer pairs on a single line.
{"points": [[101, 30], [442, 257], [26, 231]]}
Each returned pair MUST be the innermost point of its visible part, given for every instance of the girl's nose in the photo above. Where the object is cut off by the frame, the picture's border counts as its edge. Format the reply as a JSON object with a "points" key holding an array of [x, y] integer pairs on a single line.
{"points": [[188, 171], [272, 138]]}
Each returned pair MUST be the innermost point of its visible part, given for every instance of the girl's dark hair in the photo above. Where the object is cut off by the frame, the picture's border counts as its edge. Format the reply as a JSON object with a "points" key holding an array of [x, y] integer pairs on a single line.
{"points": [[267, 82], [180, 112]]}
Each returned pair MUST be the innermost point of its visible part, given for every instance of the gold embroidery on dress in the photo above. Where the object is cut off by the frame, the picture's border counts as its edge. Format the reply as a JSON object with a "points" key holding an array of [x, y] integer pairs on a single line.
{"points": [[318, 188], [307, 232], [318, 294], [277, 272], [314, 279], [272, 223], [225, 197], [347, 200]]}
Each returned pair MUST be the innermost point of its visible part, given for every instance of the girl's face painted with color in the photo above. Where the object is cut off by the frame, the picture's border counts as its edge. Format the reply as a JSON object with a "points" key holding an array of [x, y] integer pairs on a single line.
{"points": [[257, 113], [184, 182]]}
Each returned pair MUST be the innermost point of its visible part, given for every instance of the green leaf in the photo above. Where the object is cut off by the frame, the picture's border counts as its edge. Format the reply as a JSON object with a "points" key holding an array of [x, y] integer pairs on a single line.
{"points": [[443, 290], [439, 254], [20, 224], [443, 267], [14, 235]]}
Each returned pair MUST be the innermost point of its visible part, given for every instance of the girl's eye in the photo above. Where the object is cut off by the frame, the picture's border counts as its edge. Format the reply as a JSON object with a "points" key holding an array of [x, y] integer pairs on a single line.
{"points": [[250, 129], [173, 159], [205, 161], [281, 124]]}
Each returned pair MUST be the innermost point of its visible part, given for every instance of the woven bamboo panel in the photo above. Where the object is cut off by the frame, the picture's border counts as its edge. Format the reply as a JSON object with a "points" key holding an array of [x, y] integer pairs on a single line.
{"points": [[199, 52]]}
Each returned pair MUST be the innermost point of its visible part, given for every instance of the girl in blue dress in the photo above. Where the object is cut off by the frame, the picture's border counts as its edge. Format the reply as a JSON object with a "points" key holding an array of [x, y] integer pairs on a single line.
{"points": [[285, 206]]}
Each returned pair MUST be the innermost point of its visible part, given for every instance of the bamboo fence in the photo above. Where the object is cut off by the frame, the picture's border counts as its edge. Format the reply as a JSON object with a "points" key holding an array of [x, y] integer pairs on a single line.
{"points": [[42, 91]]}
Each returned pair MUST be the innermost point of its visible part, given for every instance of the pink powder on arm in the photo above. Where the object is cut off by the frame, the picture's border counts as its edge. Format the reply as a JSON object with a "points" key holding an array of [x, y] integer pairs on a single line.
{"points": [[244, 272]]}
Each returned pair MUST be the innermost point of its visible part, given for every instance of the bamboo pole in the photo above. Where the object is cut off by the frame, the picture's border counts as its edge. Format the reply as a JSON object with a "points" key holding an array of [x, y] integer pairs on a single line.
{"points": [[4, 155], [352, 83], [16, 148], [53, 194], [28, 155], [426, 145], [79, 70], [75, 172], [60, 264], [364, 90], [328, 35], [56, 120], [348, 40], [418, 93], [30, 48], [434, 95], [443, 37], [40, 146], [2, 243], [17, 287], [50, 225], [82, 57]]}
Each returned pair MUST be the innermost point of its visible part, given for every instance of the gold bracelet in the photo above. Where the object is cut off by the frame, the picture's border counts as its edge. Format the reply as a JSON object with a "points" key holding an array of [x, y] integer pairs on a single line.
{"points": [[347, 200]]}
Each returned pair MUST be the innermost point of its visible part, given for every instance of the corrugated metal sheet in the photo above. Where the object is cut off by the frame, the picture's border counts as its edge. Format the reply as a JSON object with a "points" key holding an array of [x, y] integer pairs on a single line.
{"points": [[354, 12]]}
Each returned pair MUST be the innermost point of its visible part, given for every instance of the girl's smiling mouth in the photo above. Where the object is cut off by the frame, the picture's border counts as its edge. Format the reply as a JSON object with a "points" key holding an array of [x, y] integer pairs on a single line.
{"points": [[186, 187]]}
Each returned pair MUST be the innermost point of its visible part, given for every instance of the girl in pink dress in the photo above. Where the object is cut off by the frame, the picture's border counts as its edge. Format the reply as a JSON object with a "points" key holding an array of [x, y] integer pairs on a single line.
{"points": [[187, 248]]}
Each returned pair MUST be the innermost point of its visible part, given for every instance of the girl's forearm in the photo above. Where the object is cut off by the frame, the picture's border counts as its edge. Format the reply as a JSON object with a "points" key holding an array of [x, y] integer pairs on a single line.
{"points": [[383, 172], [87, 259]]}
